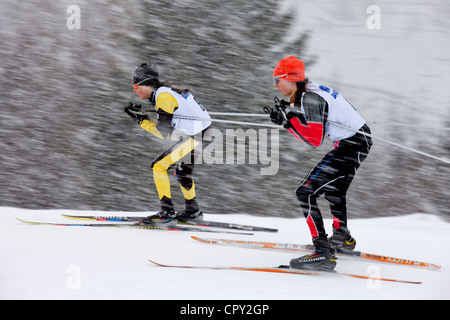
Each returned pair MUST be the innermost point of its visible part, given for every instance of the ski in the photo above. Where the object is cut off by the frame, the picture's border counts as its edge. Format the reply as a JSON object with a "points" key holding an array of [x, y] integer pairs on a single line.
{"points": [[299, 247], [282, 269], [259, 269], [133, 226], [205, 223]]}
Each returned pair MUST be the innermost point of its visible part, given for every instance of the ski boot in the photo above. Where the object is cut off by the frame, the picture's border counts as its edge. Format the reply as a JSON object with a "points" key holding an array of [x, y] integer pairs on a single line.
{"points": [[164, 218], [188, 216], [342, 240], [322, 258]]}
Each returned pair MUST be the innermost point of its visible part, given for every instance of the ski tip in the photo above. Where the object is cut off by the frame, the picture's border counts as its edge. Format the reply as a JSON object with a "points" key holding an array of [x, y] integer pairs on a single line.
{"points": [[432, 266], [27, 222], [206, 240], [155, 263]]}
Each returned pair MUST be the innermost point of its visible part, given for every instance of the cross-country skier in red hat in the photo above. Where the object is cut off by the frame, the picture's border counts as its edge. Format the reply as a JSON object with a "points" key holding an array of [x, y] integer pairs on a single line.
{"points": [[308, 116]]}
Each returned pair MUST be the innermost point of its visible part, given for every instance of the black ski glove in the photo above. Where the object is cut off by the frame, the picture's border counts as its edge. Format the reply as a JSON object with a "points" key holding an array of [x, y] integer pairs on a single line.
{"points": [[132, 109], [276, 117]]}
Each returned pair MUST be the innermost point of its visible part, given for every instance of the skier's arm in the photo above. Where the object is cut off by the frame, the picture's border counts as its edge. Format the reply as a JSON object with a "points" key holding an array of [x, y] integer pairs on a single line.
{"points": [[143, 120], [150, 126], [310, 127], [166, 105]]}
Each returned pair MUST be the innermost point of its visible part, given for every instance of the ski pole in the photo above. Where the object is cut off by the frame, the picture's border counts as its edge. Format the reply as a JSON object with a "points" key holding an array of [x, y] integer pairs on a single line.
{"points": [[399, 124], [220, 120], [231, 114], [445, 160], [228, 121], [237, 114], [330, 122], [387, 123]]}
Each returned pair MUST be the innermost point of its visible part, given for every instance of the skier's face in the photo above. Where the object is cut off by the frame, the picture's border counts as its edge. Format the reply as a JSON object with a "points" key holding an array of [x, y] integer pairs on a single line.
{"points": [[144, 92], [285, 87]]}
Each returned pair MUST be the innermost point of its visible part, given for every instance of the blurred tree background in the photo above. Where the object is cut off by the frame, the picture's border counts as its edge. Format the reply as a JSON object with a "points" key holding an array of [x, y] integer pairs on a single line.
{"points": [[66, 143]]}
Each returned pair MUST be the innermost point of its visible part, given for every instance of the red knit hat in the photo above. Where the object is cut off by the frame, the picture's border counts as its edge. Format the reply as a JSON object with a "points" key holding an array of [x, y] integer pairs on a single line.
{"points": [[290, 69]]}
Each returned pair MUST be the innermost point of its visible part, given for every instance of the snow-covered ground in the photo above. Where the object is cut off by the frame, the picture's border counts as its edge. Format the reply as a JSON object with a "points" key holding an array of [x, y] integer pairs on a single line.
{"points": [[51, 262], [399, 72]]}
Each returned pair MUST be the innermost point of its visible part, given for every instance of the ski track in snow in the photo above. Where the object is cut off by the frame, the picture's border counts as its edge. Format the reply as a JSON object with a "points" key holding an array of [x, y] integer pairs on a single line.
{"points": [[52, 262]]}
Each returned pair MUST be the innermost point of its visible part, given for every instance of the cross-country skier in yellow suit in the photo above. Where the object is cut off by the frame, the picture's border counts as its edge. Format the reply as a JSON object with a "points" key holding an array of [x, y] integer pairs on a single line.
{"points": [[173, 106]]}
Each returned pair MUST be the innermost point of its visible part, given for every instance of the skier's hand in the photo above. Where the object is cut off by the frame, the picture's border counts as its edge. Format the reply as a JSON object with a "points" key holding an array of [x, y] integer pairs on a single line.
{"points": [[281, 104], [131, 109], [276, 117]]}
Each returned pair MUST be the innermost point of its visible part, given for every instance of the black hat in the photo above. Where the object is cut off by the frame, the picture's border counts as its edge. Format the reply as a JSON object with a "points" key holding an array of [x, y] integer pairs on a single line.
{"points": [[146, 74]]}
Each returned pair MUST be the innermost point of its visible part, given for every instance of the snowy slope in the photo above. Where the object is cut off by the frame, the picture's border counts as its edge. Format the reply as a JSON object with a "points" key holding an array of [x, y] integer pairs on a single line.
{"points": [[49, 262]]}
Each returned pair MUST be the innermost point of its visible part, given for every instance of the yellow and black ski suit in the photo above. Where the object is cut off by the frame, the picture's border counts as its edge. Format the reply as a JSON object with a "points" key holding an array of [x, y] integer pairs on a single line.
{"points": [[170, 106]]}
